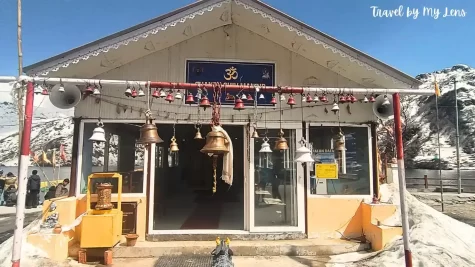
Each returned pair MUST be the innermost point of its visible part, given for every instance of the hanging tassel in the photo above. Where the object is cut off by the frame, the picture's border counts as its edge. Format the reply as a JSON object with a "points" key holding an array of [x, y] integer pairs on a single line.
{"points": [[215, 165]]}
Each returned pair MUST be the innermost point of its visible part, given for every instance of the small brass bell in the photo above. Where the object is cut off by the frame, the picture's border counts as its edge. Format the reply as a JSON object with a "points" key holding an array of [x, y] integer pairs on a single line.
{"points": [[340, 144], [149, 133], [215, 143], [255, 134], [281, 143], [198, 134], [173, 145]]}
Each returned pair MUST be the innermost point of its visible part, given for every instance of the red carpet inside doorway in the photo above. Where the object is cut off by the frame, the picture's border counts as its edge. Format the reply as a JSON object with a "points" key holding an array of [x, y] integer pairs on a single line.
{"points": [[205, 216]]}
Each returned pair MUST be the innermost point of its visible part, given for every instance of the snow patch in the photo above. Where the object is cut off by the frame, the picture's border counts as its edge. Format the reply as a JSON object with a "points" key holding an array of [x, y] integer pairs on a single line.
{"points": [[436, 239]]}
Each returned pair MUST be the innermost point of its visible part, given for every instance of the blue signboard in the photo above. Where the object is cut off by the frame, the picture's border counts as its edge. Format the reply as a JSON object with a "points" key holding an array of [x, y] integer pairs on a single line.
{"points": [[232, 73]]}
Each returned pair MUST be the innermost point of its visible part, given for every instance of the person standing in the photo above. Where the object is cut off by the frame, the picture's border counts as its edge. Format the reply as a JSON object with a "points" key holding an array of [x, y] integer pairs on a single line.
{"points": [[2, 187], [33, 187], [62, 190]]}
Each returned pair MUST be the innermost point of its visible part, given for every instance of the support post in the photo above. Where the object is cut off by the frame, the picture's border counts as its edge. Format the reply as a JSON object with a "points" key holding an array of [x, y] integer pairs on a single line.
{"points": [[457, 138], [402, 178], [22, 176], [426, 182]]}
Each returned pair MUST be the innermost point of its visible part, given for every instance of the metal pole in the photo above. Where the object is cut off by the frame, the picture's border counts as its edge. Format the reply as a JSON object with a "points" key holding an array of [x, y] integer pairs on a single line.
{"points": [[457, 138], [439, 158], [234, 88], [22, 177], [21, 90], [402, 178]]}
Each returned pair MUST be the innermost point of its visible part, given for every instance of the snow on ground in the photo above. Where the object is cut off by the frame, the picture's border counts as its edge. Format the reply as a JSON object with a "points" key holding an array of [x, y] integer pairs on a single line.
{"points": [[29, 254], [436, 239]]}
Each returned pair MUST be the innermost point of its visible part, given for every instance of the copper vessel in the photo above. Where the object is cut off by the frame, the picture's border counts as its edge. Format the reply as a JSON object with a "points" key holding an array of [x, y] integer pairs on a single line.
{"points": [[104, 194], [149, 134], [215, 143]]}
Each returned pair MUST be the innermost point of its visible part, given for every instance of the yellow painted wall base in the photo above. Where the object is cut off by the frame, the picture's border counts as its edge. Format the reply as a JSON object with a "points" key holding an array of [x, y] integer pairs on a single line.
{"points": [[379, 236], [333, 217], [54, 245]]}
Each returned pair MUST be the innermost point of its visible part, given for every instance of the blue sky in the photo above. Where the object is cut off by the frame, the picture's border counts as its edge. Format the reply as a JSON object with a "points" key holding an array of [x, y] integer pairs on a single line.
{"points": [[412, 45]]}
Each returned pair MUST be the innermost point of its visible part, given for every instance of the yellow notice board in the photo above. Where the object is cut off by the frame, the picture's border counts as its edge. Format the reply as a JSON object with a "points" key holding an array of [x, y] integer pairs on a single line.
{"points": [[326, 171]]}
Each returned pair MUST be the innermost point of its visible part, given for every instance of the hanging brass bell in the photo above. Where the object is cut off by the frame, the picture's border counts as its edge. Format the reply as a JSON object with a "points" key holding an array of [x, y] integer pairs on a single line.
{"points": [[215, 143], [255, 134], [281, 143], [149, 133], [340, 144], [173, 145], [198, 135]]}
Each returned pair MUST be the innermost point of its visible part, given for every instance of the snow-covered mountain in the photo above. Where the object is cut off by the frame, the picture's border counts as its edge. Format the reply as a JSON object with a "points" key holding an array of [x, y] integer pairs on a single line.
{"points": [[424, 111], [51, 128]]}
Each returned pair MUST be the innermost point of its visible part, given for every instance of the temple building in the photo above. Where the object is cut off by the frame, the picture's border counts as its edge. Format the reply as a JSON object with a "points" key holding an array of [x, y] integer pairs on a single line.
{"points": [[167, 192]]}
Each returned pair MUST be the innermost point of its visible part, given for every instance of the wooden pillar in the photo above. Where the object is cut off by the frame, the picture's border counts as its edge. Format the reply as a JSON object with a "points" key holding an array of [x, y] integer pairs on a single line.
{"points": [[74, 157]]}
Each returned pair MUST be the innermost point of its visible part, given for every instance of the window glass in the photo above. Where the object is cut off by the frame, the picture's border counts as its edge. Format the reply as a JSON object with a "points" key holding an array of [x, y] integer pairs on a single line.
{"points": [[275, 182], [352, 159], [120, 153]]}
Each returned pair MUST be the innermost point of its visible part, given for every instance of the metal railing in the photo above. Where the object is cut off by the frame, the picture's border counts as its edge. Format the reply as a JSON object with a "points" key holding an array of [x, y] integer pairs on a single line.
{"points": [[468, 184]]}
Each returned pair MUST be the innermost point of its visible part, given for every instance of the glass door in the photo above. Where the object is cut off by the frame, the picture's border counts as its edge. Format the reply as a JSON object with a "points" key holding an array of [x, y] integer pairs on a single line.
{"points": [[277, 183]]}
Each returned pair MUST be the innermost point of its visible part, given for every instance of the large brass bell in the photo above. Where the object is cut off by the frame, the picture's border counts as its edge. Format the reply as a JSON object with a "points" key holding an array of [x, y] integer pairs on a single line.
{"points": [[215, 143], [281, 143], [173, 145], [149, 133]]}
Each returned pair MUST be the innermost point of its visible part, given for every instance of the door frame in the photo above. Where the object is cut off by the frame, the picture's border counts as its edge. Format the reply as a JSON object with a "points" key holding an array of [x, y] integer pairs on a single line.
{"points": [[151, 197], [300, 185]]}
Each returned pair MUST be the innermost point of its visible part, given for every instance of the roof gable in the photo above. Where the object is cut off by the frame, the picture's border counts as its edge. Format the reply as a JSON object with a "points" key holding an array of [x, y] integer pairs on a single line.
{"points": [[204, 7]]}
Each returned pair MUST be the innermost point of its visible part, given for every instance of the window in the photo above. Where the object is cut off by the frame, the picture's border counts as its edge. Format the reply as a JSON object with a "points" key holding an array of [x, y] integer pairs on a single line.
{"points": [[275, 178], [120, 153], [353, 160]]}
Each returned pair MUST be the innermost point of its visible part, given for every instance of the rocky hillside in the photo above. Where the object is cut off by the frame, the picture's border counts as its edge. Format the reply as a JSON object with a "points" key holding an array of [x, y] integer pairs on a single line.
{"points": [[424, 111]]}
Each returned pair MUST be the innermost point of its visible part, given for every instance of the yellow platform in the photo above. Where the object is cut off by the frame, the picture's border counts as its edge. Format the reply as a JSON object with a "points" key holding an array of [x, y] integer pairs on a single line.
{"points": [[102, 228]]}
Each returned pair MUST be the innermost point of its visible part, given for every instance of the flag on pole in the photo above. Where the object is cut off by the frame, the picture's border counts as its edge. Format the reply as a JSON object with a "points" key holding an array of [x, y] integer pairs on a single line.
{"points": [[53, 158], [436, 87], [45, 159], [62, 154], [34, 157]]}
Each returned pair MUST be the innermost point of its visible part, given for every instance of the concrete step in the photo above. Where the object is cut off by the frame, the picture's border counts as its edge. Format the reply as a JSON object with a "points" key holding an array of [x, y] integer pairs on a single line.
{"points": [[307, 247]]}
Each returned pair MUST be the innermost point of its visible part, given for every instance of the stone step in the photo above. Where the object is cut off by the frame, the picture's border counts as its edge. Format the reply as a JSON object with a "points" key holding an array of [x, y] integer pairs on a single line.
{"points": [[308, 247]]}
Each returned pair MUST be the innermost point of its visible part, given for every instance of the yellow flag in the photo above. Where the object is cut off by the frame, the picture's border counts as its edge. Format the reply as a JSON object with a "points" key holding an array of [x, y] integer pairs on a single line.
{"points": [[436, 87], [45, 159]]}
